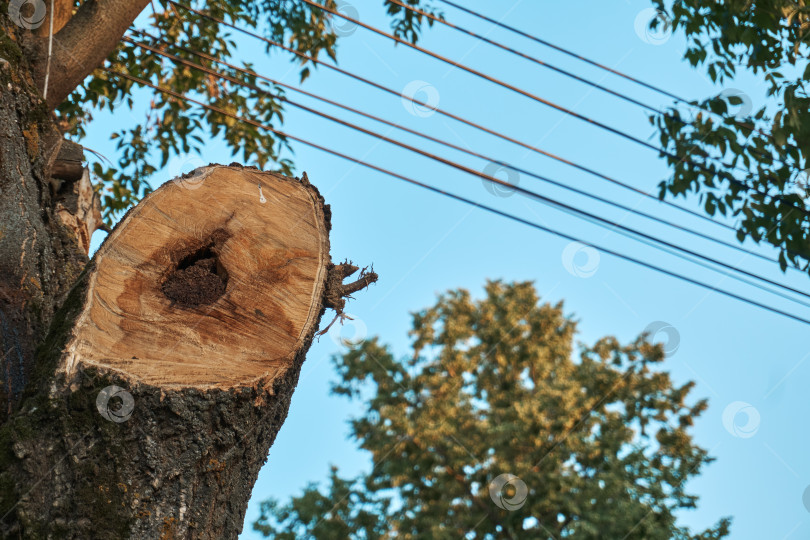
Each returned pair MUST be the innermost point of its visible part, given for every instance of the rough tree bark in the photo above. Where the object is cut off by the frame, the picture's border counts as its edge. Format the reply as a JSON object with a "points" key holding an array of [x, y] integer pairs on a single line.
{"points": [[142, 390]]}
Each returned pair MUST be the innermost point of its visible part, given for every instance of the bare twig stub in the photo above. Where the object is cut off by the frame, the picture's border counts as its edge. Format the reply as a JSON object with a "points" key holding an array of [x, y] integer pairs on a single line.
{"points": [[337, 291]]}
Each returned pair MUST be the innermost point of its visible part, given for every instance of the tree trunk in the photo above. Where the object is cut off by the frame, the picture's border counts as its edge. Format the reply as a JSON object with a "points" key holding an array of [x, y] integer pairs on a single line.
{"points": [[174, 359], [39, 256], [143, 390]]}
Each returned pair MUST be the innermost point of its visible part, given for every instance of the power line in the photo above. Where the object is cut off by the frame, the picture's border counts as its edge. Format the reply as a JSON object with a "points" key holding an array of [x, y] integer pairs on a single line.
{"points": [[457, 197], [622, 229], [641, 142], [489, 78], [603, 67], [465, 121], [565, 51], [447, 114], [571, 75], [528, 57], [437, 140]]}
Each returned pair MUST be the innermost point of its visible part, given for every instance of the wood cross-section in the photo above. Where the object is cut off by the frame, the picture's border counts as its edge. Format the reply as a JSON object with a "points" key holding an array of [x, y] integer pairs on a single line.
{"points": [[204, 285]]}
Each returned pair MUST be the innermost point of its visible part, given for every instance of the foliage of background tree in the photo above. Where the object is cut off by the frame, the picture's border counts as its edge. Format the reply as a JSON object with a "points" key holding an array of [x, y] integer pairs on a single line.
{"points": [[174, 127], [765, 150], [601, 441]]}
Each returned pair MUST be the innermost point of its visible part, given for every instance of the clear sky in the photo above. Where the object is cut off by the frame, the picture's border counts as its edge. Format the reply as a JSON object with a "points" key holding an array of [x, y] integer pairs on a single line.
{"points": [[751, 364]]}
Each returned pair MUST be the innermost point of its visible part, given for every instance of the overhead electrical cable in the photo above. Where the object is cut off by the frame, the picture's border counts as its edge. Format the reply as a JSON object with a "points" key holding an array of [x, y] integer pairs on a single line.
{"points": [[528, 57], [603, 67], [465, 121], [420, 134], [564, 50], [455, 117], [566, 73], [623, 134], [617, 227], [459, 198]]}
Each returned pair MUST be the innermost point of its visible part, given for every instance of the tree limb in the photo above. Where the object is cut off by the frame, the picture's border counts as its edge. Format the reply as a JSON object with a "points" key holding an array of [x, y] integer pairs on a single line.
{"points": [[83, 44]]}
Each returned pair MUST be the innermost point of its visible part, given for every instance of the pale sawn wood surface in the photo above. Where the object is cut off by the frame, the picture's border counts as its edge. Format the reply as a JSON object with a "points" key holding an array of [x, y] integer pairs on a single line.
{"points": [[275, 253]]}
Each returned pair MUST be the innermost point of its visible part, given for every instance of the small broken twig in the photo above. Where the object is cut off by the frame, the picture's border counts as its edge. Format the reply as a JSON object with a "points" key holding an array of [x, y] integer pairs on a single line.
{"points": [[337, 292]]}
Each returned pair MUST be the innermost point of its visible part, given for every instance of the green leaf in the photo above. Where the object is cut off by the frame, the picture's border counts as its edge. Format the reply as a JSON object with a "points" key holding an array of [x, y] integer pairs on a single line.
{"points": [[757, 39]]}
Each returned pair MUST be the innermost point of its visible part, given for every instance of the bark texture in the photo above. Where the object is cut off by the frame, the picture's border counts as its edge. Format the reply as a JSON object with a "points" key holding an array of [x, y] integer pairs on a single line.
{"points": [[96, 443], [39, 258], [105, 445], [181, 466]]}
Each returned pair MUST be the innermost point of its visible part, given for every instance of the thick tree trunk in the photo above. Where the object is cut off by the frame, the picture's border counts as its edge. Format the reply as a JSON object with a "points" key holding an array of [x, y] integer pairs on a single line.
{"points": [[174, 359], [142, 390]]}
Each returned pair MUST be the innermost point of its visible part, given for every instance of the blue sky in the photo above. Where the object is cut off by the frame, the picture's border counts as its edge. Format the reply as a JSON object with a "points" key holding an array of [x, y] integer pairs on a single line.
{"points": [[749, 363]]}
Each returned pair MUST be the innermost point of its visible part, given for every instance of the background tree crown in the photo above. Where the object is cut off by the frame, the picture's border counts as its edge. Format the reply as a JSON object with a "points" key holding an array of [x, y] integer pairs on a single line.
{"points": [[598, 436]]}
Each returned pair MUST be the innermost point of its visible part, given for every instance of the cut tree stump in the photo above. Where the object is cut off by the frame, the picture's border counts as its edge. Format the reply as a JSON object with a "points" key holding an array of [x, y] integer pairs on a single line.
{"points": [[170, 367], [203, 285]]}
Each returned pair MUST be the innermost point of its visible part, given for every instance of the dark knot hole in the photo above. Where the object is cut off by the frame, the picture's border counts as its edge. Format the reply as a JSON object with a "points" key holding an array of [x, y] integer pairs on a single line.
{"points": [[199, 279]]}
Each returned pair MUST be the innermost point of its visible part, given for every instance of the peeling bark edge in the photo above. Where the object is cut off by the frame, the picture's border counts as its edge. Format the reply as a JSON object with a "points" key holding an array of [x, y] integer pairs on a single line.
{"points": [[182, 466]]}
